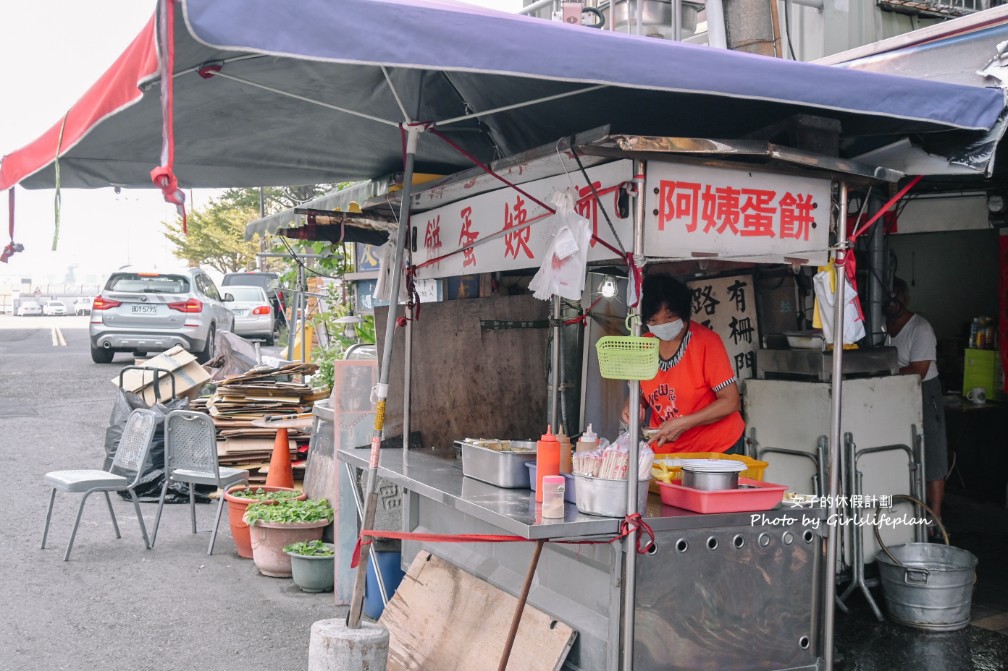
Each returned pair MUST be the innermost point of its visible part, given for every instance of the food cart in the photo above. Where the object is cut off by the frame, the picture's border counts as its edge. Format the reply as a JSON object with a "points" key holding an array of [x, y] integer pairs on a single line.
{"points": [[733, 590], [504, 85]]}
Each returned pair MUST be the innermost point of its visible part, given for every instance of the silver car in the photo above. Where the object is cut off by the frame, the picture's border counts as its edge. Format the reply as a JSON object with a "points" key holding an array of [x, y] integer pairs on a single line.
{"points": [[252, 311], [140, 311]]}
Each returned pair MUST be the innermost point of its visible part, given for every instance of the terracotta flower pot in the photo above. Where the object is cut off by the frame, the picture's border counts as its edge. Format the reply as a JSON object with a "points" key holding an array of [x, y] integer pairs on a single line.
{"points": [[236, 511], [269, 539]]}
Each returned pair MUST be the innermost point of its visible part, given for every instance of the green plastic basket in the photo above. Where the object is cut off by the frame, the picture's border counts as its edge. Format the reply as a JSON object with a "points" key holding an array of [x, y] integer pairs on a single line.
{"points": [[627, 357]]}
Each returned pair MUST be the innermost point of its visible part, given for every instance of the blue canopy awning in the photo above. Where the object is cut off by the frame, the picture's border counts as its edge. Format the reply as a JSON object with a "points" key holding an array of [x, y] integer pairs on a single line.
{"points": [[277, 93]]}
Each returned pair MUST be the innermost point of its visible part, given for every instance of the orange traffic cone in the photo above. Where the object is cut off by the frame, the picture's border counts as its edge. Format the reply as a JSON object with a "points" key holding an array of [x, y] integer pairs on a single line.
{"points": [[280, 472]]}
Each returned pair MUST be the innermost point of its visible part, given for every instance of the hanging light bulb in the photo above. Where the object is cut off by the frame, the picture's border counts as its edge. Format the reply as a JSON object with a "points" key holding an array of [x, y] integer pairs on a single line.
{"points": [[608, 288], [349, 324]]}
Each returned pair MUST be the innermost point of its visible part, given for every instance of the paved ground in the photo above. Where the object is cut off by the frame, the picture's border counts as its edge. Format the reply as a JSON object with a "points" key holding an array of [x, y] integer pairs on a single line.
{"points": [[115, 605]]}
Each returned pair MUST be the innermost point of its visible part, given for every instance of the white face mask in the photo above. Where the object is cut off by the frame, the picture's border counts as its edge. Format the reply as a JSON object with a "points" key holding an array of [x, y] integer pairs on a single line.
{"points": [[667, 331]]}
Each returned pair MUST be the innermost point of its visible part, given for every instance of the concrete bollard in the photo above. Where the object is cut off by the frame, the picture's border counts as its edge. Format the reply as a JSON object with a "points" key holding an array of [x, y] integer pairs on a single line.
{"points": [[335, 647]]}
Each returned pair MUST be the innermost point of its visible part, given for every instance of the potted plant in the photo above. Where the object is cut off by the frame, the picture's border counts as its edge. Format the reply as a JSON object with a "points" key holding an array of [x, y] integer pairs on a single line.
{"points": [[312, 565], [238, 499], [276, 524]]}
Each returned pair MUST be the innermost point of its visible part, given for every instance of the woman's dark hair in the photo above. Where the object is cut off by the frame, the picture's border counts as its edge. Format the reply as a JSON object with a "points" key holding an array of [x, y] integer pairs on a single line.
{"points": [[665, 291], [899, 286]]}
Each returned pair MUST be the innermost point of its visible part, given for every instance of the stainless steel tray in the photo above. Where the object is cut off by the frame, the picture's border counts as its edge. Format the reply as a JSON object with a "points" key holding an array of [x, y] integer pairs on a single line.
{"points": [[504, 469]]}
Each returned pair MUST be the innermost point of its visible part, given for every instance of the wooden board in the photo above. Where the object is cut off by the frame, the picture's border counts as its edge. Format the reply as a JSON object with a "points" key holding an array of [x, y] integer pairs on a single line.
{"points": [[444, 618], [471, 382]]}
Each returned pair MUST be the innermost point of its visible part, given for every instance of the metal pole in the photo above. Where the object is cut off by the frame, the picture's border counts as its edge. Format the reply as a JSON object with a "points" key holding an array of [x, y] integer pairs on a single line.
{"points": [[716, 36], [304, 314], [293, 321], [839, 296], [555, 380], [630, 542], [381, 389]]}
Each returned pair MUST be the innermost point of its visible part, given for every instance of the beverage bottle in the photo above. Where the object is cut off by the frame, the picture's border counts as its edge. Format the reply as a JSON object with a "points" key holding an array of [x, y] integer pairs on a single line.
{"points": [[588, 441], [547, 460], [566, 457]]}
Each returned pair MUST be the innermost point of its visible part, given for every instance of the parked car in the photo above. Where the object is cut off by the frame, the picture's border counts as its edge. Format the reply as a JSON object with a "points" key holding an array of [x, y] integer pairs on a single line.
{"points": [[55, 308], [140, 311], [82, 306], [253, 315], [268, 282], [29, 309]]}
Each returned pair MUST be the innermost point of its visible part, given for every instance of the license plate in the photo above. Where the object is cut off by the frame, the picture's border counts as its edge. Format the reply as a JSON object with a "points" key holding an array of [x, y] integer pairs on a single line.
{"points": [[240, 313], [143, 309]]}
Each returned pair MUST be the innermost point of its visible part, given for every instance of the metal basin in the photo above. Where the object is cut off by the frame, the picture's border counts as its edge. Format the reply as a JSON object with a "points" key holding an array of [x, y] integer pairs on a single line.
{"points": [[928, 586], [656, 17], [709, 480]]}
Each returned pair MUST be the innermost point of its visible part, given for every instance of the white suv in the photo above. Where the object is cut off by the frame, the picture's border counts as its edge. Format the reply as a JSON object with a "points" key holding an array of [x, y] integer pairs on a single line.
{"points": [[140, 311]]}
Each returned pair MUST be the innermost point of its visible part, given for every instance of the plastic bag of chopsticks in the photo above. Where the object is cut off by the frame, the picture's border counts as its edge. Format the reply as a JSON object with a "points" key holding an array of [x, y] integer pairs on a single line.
{"points": [[611, 462]]}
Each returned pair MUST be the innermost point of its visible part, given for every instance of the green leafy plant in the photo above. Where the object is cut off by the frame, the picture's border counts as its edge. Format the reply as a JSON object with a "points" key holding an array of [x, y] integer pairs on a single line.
{"points": [[338, 342], [288, 510], [311, 549], [259, 494]]}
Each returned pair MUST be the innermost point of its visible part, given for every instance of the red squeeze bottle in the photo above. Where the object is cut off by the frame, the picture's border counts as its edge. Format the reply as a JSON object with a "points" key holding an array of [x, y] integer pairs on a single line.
{"points": [[547, 460]]}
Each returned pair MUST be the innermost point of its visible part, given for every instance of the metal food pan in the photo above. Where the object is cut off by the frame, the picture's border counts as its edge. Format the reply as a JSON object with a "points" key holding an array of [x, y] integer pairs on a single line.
{"points": [[504, 469]]}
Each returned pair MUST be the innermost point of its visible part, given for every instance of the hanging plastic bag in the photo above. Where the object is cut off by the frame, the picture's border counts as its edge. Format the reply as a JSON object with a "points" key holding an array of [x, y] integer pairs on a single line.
{"points": [[825, 291], [383, 287], [566, 261]]}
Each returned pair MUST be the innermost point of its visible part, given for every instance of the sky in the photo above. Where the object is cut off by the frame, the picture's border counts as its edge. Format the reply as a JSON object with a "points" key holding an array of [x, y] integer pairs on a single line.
{"points": [[51, 51]]}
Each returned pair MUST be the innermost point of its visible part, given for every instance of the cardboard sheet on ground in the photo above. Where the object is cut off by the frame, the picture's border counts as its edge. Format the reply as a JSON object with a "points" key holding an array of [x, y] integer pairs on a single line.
{"points": [[444, 618], [189, 375]]}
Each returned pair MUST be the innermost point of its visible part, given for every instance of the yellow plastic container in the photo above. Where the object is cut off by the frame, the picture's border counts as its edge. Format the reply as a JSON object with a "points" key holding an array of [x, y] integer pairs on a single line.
{"points": [[665, 471]]}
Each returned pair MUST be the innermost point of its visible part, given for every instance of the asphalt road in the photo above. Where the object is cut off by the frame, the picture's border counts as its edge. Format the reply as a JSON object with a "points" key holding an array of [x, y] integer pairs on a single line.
{"points": [[116, 605]]}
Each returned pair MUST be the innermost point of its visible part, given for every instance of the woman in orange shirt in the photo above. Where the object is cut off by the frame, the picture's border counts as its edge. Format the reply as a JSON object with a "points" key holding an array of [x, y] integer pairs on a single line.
{"points": [[694, 397]]}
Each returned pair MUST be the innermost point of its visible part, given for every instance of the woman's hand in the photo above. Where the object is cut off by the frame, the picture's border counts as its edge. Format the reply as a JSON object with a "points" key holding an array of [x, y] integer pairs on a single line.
{"points": [[626, 414], [671, 429]]}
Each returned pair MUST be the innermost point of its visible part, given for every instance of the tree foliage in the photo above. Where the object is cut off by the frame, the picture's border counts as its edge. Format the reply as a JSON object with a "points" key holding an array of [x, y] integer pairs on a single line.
{"points": [[275, 198], [216, 237]]}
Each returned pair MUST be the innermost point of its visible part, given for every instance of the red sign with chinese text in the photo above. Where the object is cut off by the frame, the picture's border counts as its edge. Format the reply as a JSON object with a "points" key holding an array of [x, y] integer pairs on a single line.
{"points": [[736, 214]]}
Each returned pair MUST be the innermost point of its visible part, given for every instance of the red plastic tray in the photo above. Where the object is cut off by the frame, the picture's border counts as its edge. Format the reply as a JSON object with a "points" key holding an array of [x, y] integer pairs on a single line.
{"points": [[755, 496]]}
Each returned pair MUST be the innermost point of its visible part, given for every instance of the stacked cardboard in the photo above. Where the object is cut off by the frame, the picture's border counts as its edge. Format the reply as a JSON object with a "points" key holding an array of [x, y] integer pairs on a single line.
{"points": [[248, 409]]}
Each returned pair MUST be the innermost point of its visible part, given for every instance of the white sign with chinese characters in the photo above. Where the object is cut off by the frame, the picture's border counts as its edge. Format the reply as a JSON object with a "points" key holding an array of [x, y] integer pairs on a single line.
{"points": [[700, 212], [443, 230], [727, 305]]}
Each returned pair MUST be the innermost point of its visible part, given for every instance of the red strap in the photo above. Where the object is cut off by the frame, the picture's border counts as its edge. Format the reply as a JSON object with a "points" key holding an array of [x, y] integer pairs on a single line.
{"points": [[630, 524], [583, 317], [882, 210], [163, 176], [431, 538], [489, 171], [636, 523]]}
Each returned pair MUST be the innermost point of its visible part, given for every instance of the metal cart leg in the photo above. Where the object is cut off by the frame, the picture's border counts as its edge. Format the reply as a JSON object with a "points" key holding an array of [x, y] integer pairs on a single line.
{"points": [[358, 501]]}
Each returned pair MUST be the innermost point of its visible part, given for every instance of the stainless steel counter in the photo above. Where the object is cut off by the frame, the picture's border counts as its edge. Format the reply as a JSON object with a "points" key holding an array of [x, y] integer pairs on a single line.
{"points": [[715, 590], [515, 510]]}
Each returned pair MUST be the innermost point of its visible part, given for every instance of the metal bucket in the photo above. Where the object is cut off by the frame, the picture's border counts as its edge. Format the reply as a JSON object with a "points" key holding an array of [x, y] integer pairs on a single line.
{"points": [[928, 586], [607, 498]]}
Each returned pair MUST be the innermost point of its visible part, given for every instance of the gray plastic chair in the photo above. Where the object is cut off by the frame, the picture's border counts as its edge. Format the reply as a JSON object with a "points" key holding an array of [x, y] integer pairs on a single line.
{"points": [[123, 475], [191, 457]]}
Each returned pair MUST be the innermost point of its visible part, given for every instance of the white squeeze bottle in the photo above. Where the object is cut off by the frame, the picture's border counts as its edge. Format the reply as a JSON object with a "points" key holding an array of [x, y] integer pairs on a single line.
{"points": [[588, 441]]}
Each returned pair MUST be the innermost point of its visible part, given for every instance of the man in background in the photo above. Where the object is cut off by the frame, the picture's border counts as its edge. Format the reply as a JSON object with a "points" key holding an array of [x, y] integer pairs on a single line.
{"points": [[916, 351]]}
